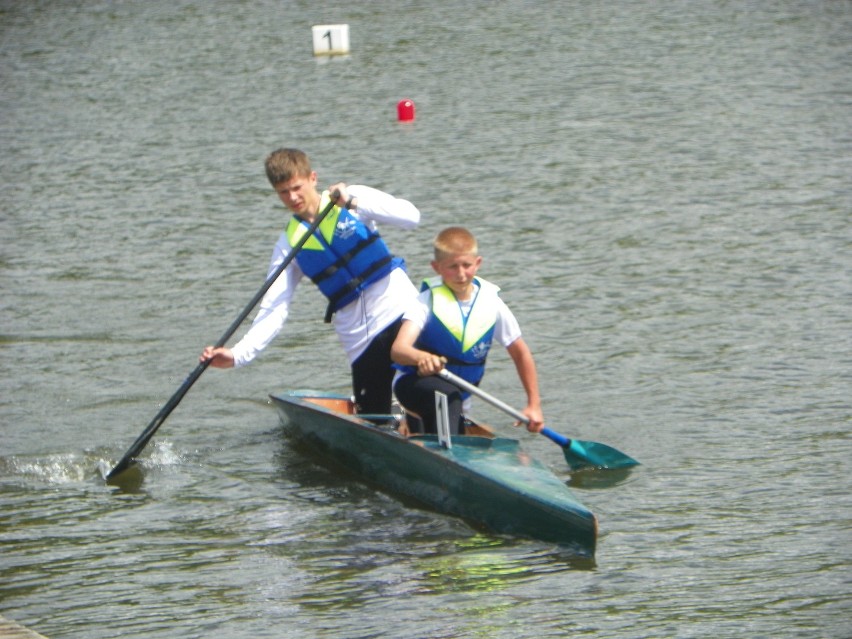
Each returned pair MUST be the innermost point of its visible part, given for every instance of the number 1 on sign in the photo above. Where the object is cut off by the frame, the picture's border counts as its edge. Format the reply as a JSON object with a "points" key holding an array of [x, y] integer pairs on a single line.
{"points": [[330, 39]]}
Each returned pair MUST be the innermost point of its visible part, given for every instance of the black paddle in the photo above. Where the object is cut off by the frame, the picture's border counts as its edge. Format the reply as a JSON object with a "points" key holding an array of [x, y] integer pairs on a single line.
{"points": [[578, 453], [158, 420]]}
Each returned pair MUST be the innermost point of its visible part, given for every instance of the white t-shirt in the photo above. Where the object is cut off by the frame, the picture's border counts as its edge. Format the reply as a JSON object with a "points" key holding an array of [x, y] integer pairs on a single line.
{"points": [[361, 320]]}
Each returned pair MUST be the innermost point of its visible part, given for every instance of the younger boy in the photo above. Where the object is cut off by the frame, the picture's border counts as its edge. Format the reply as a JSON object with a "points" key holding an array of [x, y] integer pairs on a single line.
{"points": [[452, 324]]}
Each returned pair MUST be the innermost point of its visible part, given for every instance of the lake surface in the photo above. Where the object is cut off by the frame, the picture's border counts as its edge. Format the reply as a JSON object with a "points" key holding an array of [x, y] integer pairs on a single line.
{"points": [[663, 192]]}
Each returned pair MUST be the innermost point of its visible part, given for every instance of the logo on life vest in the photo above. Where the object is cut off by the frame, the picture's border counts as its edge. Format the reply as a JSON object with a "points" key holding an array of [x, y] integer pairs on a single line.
{"points": [[345, 229], [480, 350]]}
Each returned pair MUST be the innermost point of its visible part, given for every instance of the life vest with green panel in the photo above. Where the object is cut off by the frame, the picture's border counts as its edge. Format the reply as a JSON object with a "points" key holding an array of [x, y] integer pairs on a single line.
{"points": [[464, 340], [343, 256]]}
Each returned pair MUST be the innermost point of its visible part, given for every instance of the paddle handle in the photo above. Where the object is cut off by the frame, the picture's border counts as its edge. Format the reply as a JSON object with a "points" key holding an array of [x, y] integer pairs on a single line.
{"points": [[175, 399], [578, 453], [475, 390]]}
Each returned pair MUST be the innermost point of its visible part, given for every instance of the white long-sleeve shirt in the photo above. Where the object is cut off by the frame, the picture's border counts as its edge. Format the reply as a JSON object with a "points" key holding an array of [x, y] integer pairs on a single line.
{"points": [[362, 319]]}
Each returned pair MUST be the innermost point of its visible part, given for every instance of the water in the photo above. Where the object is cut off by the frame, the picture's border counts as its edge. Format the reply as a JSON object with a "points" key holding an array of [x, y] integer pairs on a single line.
{"points": [[662, 191]]}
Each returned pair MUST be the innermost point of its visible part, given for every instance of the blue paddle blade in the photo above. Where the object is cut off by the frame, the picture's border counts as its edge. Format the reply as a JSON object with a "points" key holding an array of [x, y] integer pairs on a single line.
{"points": [[582, 454]]}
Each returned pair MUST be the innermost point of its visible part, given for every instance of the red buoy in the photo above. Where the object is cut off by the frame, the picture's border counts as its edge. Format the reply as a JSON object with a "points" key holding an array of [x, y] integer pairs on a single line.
{"points": [[405, 110]]}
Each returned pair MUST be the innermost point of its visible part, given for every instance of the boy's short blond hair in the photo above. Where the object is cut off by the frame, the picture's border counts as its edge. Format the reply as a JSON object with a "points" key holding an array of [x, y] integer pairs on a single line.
{"points": [[283, 165], [455, 240]]}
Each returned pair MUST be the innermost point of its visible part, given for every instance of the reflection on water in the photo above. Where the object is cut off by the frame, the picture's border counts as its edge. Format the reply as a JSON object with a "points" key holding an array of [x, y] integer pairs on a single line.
{"points": [[488, 564], [600, 478]]}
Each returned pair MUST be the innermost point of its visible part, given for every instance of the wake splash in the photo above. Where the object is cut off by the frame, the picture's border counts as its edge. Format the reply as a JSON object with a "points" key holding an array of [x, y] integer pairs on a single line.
{"points": [[55, 470], [65, 469]]}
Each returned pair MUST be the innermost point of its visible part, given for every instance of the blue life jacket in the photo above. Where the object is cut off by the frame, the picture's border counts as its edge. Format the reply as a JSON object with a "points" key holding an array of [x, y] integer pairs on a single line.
{"points": [[464, 341], [343, 257]]}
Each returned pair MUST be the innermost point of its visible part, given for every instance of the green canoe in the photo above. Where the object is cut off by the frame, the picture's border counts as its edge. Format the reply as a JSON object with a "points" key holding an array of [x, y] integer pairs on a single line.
{"points": [[487, 481]]}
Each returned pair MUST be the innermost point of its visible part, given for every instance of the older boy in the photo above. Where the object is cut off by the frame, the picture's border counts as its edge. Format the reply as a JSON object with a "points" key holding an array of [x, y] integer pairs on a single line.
{"points": [[366, 285], [452, 323]]}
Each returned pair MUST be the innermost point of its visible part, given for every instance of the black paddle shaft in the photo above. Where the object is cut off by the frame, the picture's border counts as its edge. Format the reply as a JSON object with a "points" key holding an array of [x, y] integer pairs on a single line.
{"points": [[175, 399]]}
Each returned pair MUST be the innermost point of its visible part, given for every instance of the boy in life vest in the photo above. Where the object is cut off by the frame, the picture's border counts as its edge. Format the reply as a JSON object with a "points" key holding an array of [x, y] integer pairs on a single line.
{"points": [[452, 324], [366, 285]]}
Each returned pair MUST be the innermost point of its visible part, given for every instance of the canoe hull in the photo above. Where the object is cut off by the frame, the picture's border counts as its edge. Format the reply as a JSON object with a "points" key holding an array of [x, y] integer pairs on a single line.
{"points": [[492, 483]]}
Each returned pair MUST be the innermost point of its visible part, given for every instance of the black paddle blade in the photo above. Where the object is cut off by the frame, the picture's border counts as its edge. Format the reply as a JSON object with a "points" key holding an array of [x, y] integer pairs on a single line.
{"points": [[127, 477]]}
